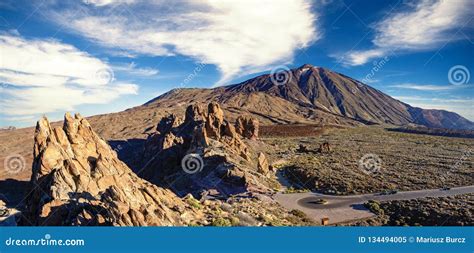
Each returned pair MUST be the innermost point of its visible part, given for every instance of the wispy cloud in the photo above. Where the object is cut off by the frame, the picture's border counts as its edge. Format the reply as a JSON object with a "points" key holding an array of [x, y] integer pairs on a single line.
{"points": [[133, 69], [426, 87], [28, 118], [43, 76], [361, 57], [239, 37], [107, 2], [424, 25]]}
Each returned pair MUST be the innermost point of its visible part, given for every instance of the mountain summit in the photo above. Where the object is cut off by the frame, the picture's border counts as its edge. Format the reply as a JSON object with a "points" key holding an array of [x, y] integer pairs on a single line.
{"points": [[310, 94]]}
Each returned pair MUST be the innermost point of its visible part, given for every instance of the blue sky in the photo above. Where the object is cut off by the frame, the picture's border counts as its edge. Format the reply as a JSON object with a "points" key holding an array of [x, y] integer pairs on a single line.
{"points": [[100, 56]]}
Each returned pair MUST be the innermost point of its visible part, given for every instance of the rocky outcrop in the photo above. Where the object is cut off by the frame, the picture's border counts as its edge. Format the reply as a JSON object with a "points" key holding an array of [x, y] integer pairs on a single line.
{"points": [[197, 130], [214, 120], [247, 127], [324, 148], [78, 180], [167, 123], [262, 165], [224, 162]]}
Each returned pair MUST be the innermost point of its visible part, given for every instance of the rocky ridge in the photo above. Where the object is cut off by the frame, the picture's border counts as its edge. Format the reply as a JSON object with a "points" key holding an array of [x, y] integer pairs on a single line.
{"points": [[205, 152], [78, 180]]}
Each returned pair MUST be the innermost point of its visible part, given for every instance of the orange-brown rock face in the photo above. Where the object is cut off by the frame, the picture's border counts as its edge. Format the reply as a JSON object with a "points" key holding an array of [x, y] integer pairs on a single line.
{"points": [[208, 138], [262, 165], [214, 120], [247, 127], [78, 180]]}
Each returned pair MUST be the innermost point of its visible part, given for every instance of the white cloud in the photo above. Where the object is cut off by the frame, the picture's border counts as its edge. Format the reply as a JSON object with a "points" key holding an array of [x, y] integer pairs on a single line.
{"points": [[28, 118], [107, 2], [44, 76], [36, 100], [48, 60], [426, 87], [239, 37], [133, 69], [361, 57], [425, 25]]}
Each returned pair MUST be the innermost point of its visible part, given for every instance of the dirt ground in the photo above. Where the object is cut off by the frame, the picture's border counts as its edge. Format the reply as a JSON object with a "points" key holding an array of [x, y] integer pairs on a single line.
{"points": [[360, 160], [372, 159], [444, 211]]}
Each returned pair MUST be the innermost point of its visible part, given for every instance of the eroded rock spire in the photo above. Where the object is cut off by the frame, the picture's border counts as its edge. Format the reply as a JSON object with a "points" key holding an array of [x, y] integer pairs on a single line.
{"points": [[78, 180]]}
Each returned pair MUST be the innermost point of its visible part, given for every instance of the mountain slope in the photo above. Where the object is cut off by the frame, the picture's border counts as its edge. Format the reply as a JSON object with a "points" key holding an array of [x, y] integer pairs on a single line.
{"points": [[314, 95]]}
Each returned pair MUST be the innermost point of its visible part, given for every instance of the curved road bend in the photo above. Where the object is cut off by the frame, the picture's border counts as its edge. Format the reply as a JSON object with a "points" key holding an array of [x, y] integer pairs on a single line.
{"points": [[346, 208]]}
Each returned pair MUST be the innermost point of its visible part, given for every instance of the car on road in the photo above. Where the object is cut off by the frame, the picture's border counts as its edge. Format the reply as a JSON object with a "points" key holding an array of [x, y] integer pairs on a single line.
{"points": [[319, 202], [388, 192]]}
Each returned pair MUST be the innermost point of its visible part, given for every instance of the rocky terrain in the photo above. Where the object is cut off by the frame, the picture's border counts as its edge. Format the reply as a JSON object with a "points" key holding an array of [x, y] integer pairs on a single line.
{"points": [[307, 95], [181, 160], [77, 178], [434, 131], [446, 211], [217, 156], [402, 161]]}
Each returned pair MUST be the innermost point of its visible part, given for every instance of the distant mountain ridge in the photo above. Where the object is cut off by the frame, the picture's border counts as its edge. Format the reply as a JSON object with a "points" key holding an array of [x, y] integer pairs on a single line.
{"points": [[310, 94]]}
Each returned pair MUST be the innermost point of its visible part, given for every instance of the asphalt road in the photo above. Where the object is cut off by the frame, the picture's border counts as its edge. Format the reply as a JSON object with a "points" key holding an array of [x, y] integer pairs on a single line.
{"points": [[346, 208]]}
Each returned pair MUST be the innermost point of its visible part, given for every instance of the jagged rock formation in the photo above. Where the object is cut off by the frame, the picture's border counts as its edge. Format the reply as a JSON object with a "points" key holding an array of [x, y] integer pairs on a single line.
{"points": [[78, 180], [225, 163], [247, 127]]}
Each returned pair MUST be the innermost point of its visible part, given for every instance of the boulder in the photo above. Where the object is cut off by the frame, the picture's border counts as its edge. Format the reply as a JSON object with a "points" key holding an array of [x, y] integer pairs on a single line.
{"points": [[262, 165]]}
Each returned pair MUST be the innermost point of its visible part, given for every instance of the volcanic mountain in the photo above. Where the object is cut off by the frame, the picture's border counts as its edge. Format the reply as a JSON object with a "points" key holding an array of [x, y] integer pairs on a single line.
{"points": [[305, 95], [311, 94]]}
